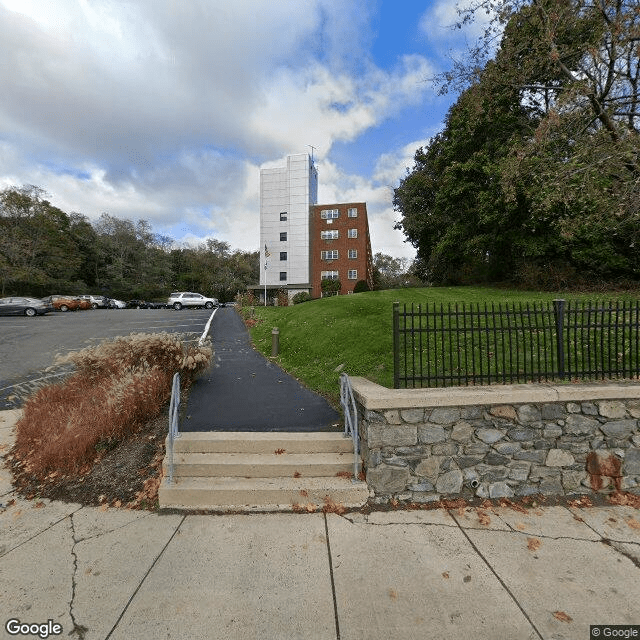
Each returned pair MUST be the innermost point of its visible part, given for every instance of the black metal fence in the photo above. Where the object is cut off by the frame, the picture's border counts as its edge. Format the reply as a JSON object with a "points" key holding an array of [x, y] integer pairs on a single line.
{"points": [[464, 344]]}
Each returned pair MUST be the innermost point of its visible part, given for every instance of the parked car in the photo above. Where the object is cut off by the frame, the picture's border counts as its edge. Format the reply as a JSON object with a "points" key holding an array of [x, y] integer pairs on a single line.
{"points": [[137, 304], [62, 303], [156, 305], [189, 299], [116, 304], [17, 306], [83, 303], [96, 302]]}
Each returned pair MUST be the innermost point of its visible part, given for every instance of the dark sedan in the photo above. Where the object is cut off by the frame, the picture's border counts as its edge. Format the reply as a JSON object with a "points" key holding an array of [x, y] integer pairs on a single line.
{"points": [[17, 306]]}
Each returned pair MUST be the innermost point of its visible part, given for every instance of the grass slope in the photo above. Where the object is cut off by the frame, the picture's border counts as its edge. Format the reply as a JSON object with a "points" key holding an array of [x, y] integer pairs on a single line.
{"points": [[321, 338]]}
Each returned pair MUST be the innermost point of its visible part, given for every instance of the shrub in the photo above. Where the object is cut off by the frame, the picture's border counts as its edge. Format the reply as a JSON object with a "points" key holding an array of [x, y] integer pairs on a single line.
{"points": [[330, 286], [117, 387], [283, 298], [303, 296], [361, 286]]}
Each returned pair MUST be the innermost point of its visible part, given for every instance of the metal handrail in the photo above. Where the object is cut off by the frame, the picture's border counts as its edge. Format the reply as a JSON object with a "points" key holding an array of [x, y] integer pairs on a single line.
{"points": [[174, 433], [350, 421]]}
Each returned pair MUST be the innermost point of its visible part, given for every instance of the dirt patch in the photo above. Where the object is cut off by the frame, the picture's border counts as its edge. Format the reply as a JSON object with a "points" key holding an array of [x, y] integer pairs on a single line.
{"points": [[125, 473]]}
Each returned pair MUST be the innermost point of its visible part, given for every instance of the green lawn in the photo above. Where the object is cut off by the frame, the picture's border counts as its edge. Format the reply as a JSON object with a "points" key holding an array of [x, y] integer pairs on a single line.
{"points": [[321, 338]]}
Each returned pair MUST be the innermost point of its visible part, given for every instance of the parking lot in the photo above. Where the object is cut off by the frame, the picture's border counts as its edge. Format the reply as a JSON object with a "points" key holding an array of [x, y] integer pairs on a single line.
{"points": [[28, 346]]}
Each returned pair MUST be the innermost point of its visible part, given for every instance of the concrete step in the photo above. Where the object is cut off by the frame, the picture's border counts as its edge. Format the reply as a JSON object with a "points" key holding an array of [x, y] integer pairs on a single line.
{"points": [[262, 442], [260, 465], [265, 494]]}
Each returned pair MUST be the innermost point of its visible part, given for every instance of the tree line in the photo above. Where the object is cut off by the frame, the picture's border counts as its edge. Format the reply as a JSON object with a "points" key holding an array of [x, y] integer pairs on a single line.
{"points": [[535, 178], [44, 251]]}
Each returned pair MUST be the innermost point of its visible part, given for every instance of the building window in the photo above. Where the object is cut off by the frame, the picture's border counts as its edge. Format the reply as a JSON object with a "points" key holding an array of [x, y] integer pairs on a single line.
{"points": [[352, 212], [352, 233], [283, 216], [353, 274], [329, 235], [283, 276], [283, 236], [329, 255], [283, 255], [329, 275], [328, 214], [353, 253]]}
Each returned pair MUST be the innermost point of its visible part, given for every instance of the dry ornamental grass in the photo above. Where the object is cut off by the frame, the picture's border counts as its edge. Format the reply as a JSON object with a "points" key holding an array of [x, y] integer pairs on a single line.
{"points": [[117, 387]]}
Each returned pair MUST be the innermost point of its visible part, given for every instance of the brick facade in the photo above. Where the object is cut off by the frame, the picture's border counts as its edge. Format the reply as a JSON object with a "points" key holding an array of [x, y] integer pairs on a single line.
{"points": [[339, 245]]}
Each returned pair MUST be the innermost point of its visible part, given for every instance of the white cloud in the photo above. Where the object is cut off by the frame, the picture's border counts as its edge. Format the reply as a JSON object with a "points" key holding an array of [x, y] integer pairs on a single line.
{"points": [[165, 111]]}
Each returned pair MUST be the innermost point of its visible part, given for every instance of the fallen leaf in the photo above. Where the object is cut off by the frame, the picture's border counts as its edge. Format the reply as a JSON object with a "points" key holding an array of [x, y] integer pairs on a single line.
{"points": [[38, 505], [562, 616], [520, 526], [104, 507], [304, 493], [393, 594], [533, 544], [483, 517], [445, 574], [297, 474], [279, 452], [633, 523], [311, 508]]}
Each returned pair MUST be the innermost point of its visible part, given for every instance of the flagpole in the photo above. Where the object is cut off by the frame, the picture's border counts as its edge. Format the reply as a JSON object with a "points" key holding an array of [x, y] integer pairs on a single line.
{"points": [[266, 255]]}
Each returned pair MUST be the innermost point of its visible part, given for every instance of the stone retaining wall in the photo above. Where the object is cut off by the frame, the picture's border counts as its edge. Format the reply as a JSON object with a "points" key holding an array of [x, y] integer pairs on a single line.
{"points": [[499, 441]]}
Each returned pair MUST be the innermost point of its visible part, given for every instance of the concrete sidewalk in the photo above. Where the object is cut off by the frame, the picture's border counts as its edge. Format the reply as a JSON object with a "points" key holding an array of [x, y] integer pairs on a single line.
{"points": [[470, 573]]}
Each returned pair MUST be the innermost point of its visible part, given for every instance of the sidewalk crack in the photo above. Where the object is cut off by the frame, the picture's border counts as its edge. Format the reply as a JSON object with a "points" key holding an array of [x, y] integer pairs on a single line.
{"points": [[78, 629]]}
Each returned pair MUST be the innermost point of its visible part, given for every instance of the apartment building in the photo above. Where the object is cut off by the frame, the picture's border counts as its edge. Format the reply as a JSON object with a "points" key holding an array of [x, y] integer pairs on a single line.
{"points": [[340, 248], [302, 242]]}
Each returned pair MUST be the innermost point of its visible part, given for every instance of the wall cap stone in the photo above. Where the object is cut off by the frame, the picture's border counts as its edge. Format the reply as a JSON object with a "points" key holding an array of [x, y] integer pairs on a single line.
{"points": [[374, 397]]}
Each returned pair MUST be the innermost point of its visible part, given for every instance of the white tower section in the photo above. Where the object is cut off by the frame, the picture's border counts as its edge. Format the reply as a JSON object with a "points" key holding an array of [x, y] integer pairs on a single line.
{"points": [[285, 196]]}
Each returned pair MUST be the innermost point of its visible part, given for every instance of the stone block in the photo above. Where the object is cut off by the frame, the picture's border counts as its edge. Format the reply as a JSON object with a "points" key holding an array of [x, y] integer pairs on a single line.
{"points": [[462, 432], [429, 469], [373, 416], [604, 463], [551, 487], [471, 413], [507, 448], [468, 461], [383, 479], [429, 434], [572, 480], [450, 482], [386, 435], [445, 449], [543, 444], [573, 407], [531, 456], [489, 436], [500, 490], [392, 417], [589, 408], [421, 487], [633, 407], [538, 472], [412, 416], [559, 458], [553, 412], [476, 449], [552, 431], [519, 473], [527, 490], [505, 411], [578, 425], [522, 435], [619, 428], [528, 413], [612, 409], [632, 462], [495, 459], [394, 461], [445, 415]]}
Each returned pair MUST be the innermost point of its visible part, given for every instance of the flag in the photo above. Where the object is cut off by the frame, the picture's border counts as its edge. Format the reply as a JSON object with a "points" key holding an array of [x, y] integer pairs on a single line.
{"points": [[266, 251]]}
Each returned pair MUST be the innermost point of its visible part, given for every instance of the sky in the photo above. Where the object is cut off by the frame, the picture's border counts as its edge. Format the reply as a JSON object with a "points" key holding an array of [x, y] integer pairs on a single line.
{"points": [[166, 111]]}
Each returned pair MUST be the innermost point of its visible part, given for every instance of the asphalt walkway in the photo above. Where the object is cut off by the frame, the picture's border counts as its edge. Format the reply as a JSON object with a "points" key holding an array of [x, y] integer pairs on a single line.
{"points": [[243, 391]]}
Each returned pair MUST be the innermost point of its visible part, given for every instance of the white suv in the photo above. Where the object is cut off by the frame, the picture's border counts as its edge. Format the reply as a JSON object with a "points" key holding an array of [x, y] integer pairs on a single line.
{"points": [[188, 299]]}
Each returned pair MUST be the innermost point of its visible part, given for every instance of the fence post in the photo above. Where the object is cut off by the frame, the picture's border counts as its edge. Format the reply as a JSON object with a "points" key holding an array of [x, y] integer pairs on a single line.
{"points": [[396, 345], [558, 309]]}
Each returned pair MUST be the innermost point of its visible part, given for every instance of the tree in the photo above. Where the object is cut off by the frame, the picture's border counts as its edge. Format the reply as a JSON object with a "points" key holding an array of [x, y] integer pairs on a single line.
{"points": [[537, 169]]}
